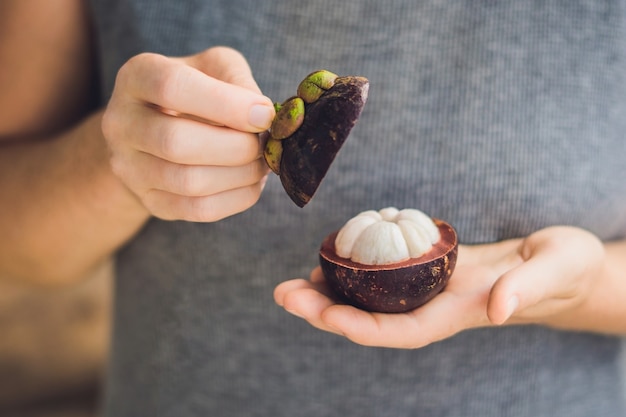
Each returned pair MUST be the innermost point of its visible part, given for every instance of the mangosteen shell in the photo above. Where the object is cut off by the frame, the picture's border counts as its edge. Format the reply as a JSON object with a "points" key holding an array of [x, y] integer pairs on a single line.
{"points": [[392, 288], [309, 152]]}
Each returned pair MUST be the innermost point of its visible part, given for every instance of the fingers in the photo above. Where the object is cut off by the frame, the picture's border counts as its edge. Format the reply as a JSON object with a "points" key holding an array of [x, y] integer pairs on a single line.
{"points": [[211, 208], [184, 89], [183, 141], [225, 64], [442, 317], [182, 134], [553, 277], [185, 169], [445, 315], [305, 300], [147, 173], [316, 282]]}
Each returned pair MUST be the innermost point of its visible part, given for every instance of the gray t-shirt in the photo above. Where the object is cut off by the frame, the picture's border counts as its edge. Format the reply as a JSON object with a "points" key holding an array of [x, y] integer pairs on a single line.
{"points": [[501, 117]]}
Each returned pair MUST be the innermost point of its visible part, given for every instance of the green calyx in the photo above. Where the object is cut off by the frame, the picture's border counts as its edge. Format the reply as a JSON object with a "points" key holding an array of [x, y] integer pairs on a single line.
{"points": [[315, 84], [290, 114], [289, 117], [273, 153]]}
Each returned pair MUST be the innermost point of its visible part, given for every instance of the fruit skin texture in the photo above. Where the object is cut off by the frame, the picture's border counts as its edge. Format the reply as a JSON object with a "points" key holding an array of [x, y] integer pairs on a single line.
{"points": [[309, 152], [393, 288]]}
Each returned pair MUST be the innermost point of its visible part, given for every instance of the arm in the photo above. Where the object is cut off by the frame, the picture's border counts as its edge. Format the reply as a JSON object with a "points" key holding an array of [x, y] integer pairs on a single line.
{"points": [[562, 277], [66, 209], [63, 210], [45, 56]]}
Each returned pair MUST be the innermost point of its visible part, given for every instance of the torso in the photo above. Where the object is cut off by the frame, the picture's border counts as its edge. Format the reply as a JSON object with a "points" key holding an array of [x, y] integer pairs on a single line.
{"points": [[500, 117]]}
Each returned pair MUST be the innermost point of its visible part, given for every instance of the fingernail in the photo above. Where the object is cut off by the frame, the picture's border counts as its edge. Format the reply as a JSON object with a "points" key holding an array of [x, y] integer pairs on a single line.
{"points": [[263, 182], [260, 116], [293, 313], [511, 306], [335, 329]]}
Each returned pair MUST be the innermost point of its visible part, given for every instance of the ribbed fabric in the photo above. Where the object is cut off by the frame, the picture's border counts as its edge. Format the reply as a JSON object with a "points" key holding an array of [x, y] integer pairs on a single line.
{"points": [[502, 117]]}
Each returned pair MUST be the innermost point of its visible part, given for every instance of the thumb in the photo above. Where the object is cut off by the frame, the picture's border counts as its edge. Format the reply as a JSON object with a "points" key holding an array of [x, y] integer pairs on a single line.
{"points": [[520, 288], [235, 88]]}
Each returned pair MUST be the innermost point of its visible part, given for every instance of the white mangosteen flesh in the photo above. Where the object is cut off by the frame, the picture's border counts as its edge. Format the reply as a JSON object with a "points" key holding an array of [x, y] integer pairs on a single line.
{"points": [[386, 236]]}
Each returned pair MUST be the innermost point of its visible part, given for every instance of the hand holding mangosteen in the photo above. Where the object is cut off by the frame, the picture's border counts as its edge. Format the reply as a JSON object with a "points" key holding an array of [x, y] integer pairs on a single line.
{"points": [[555, 277]]}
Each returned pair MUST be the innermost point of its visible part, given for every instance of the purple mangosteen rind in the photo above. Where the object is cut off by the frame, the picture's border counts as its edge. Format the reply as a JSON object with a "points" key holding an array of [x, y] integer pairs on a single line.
{"points": [[309, 152], [392, 288]]}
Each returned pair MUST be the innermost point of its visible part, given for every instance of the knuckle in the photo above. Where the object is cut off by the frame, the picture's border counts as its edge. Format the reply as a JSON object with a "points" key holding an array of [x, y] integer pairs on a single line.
{"points": [[212, 209], [120, 167], [248, 149], [108, 125], [168, 85], [163, 84], [170, 145], [128, 71], [255, 171], [111, 125], [253, 151], [251, 196], [190, 181], [155, 203], [204, 210], [124, 74], [117, 166]]}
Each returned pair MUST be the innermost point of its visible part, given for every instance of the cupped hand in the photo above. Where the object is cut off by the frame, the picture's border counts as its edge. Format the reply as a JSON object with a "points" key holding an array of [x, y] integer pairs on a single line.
{"points": [[183, 134], [544, 279]]}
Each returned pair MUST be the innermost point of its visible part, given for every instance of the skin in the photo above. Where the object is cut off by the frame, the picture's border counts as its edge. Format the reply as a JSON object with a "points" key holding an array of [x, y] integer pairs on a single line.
{"points": [[178, 140], [561, 277]]}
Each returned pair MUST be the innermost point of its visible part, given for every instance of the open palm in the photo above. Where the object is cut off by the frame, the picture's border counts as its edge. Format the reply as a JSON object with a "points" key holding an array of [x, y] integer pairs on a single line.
{"points": [[536, 279]]}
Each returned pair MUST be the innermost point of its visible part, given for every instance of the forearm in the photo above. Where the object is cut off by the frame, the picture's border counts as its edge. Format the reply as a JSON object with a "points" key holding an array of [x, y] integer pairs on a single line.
{"points": [[65, 210], [62, 209]]}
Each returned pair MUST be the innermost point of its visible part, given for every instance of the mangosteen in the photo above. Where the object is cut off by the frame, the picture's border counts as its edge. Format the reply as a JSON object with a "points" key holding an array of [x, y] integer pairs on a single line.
{"points": [[310, 128], [389, 261]]}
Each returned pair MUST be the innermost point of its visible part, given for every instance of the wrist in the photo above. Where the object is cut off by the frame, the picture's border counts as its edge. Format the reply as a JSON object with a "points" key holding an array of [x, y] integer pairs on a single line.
{"points": [[106, 190]]}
